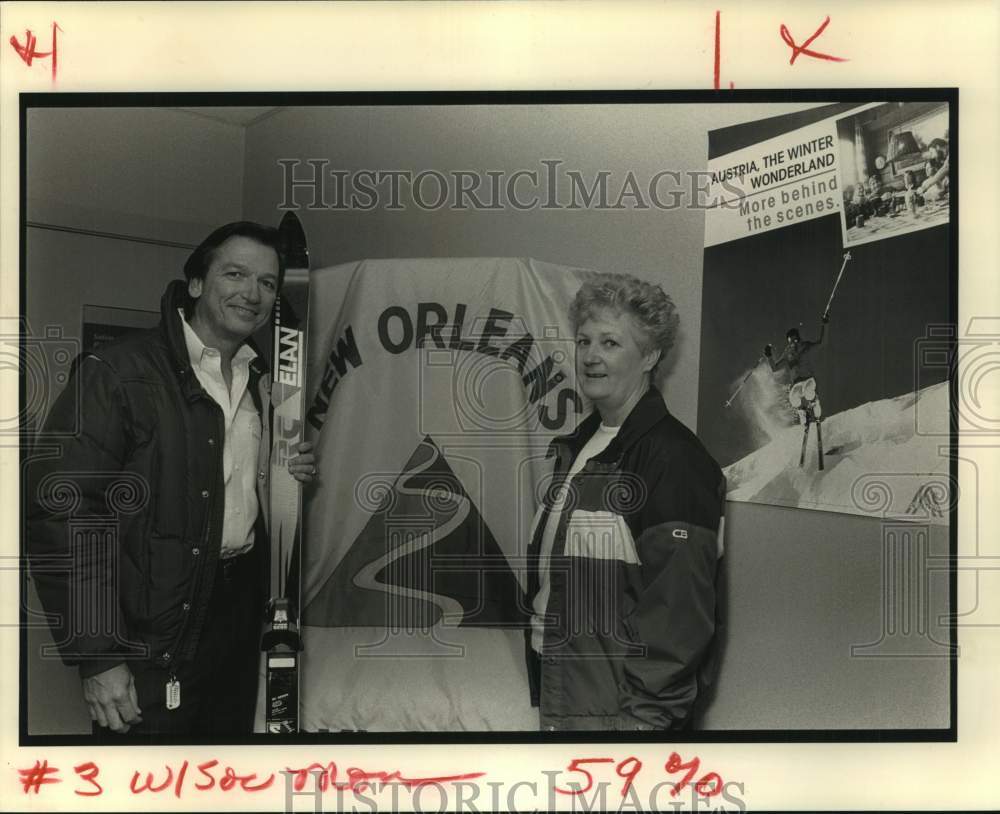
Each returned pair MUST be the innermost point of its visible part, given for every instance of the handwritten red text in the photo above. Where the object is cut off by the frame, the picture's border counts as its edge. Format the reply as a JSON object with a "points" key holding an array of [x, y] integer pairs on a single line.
{"points": [[359, 780], [28, 50], [41, 774], [708, 785], [88, 772], [786, 35]]}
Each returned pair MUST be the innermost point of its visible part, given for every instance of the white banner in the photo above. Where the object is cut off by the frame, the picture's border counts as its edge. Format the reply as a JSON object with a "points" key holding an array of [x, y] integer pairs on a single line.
{"points": [[435, 387]]}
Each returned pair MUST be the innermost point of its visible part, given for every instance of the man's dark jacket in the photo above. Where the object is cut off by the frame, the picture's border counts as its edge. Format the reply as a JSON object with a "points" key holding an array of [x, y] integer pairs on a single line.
{"points": [[126, 500], [635, 616]]}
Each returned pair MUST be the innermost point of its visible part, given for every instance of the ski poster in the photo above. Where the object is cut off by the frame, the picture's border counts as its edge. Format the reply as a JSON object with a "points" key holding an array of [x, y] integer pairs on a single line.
{"points": [[434, 388], [827, 295]]}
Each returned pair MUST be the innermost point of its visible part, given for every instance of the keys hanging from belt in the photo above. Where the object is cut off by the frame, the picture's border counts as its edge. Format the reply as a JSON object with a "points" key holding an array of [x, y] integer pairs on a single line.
{"points": [[173, 689]]}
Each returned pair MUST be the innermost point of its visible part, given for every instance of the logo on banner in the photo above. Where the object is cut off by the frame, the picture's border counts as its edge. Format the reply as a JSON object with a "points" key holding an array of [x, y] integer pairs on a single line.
{"points": [[425, 556]]}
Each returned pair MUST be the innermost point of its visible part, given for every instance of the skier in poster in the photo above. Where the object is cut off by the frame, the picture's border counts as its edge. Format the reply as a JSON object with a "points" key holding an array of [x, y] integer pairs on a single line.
{"points": [[797, 358], [802, 395]]}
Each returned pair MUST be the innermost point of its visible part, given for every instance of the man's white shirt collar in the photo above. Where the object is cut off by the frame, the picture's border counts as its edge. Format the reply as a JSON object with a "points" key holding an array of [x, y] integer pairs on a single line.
{"points": [[197, 350]]}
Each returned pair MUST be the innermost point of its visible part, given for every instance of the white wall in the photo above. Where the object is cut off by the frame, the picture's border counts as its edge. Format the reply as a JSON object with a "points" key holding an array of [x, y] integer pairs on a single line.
{"points": [[157, 174], [665, 246]]}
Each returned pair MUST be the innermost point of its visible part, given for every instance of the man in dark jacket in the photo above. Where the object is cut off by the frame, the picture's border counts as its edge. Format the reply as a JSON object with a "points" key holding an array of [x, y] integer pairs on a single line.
{"points": [[147, 530]]}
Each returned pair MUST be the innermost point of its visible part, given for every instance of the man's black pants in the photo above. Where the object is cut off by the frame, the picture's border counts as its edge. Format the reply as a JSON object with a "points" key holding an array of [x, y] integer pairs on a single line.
{"points": [[219, 687]]}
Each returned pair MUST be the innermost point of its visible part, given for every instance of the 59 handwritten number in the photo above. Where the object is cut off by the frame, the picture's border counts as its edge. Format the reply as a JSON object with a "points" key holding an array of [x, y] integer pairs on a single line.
{"points": [[626, 769], [708, 785]]}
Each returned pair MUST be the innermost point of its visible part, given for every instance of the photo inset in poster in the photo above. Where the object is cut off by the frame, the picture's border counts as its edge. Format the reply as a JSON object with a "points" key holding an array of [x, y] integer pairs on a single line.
{"points": [[895, 170], [816, 387]]}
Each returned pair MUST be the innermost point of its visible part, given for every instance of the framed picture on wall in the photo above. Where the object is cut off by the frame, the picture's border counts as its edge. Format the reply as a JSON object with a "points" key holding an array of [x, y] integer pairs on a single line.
{"points": [[105, 323]]}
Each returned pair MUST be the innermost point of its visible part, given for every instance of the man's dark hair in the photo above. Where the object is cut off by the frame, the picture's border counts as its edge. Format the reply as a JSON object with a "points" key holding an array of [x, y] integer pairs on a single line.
{"points": [[198, 263], [792, 333]]}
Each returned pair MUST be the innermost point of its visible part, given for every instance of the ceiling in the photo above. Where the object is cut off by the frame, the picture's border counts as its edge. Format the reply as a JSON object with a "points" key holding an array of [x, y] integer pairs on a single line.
{"points": [[240, 116]]}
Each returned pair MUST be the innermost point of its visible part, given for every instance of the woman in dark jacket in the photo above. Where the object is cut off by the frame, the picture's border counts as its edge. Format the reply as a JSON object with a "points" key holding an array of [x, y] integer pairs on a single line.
{"points": [[626, 548]]}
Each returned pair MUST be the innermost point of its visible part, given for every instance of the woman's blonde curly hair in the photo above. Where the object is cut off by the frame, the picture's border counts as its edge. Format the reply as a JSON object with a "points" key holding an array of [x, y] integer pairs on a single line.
{"points": [[651, 308]]}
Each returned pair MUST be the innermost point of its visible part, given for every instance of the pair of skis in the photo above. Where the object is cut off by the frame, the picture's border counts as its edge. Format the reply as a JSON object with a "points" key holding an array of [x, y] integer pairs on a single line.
{"points": [[810, 420], [281, 640]]}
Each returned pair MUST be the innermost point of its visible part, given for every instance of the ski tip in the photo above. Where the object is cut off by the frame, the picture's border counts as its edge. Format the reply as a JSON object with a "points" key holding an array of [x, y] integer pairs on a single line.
{"points": [[293, 241]]}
